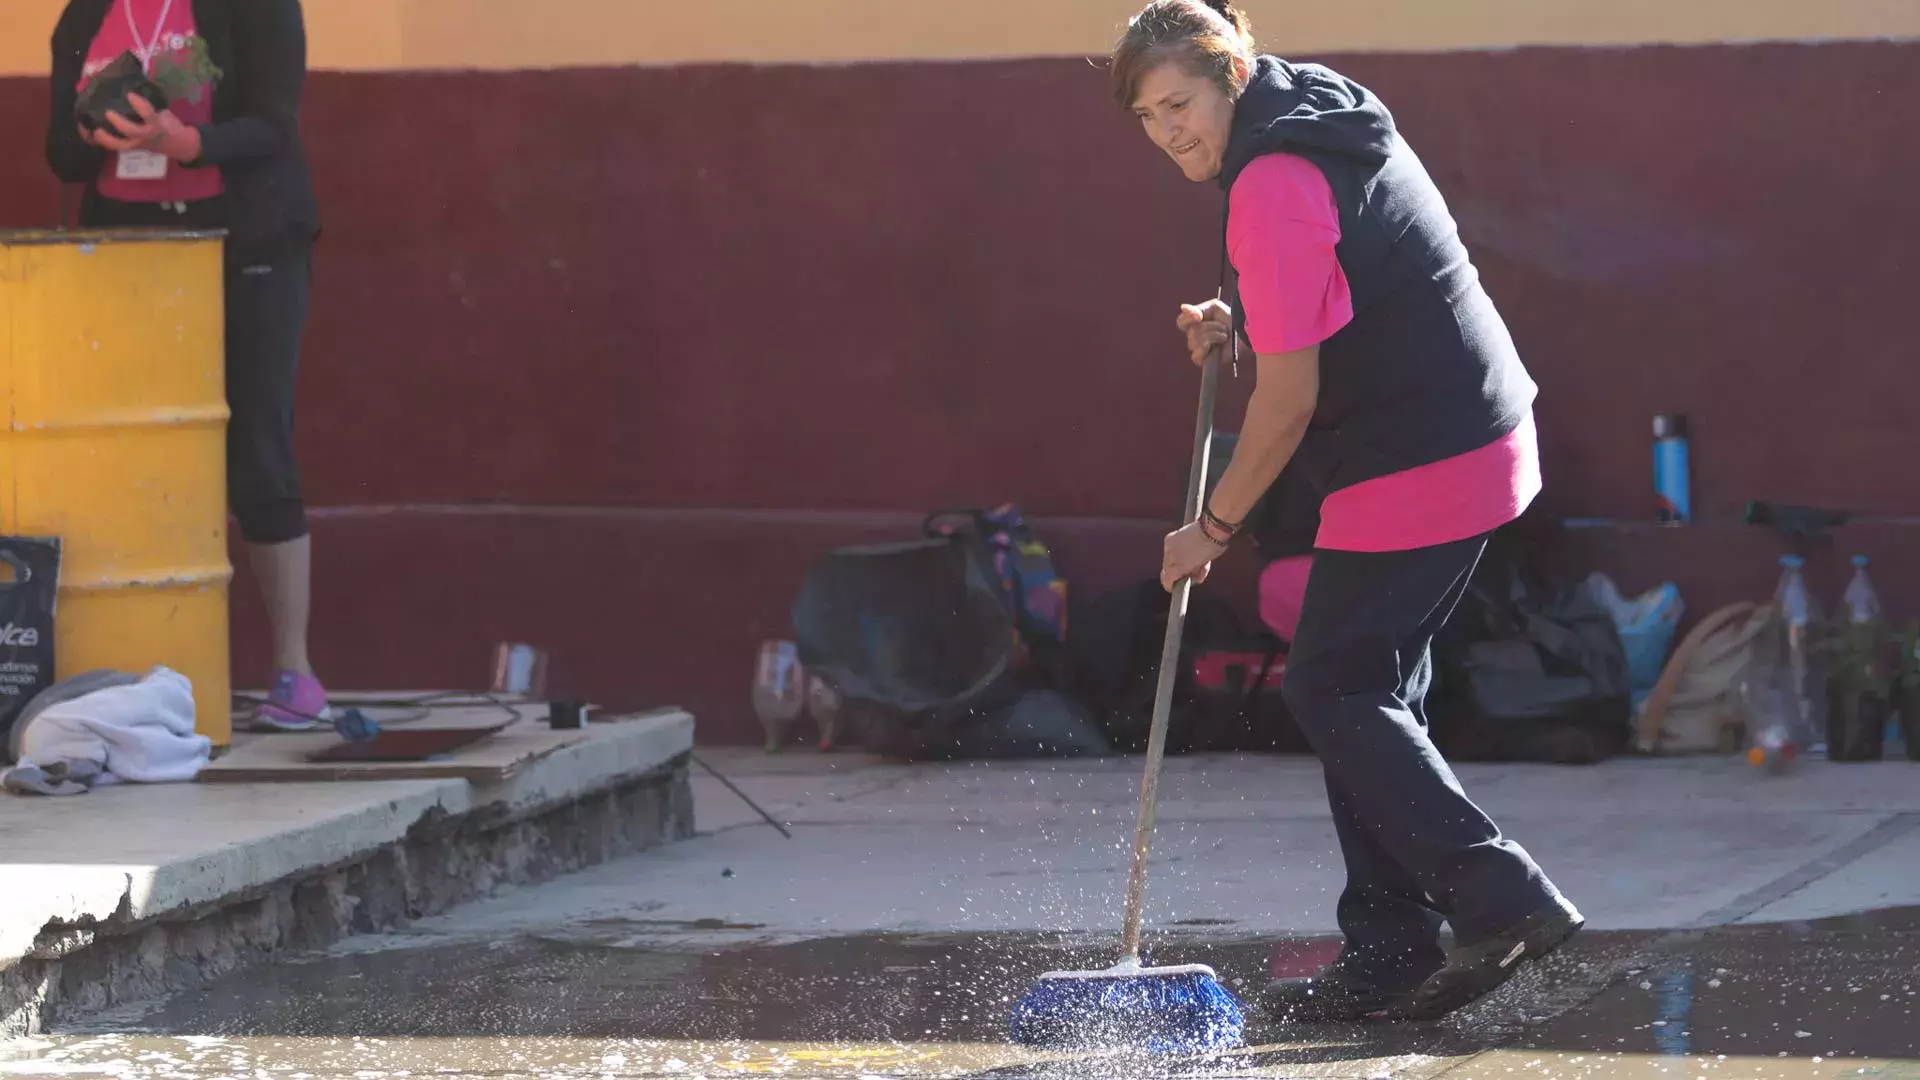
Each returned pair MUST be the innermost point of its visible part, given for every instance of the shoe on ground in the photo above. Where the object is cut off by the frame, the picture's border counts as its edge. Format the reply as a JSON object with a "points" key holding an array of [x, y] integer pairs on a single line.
{"points": [[297, 703], [1335, 996], [1474, 971]]}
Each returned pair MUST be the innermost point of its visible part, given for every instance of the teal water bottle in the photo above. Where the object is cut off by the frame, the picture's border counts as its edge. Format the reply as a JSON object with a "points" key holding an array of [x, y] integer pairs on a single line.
{"points": [[1672, 485]]}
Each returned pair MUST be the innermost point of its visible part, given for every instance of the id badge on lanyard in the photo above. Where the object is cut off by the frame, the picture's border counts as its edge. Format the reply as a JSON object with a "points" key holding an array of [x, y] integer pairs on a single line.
{"points": [[141, 165], [144, 164]]}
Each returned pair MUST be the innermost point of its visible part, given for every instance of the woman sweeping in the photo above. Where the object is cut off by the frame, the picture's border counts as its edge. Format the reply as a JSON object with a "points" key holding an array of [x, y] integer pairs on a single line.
{"points": [[1388, 380], [225, 154]]}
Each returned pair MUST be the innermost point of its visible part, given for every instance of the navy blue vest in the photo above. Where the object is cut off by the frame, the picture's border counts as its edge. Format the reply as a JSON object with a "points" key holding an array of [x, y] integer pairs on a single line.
{"points": [[1426, 369]]}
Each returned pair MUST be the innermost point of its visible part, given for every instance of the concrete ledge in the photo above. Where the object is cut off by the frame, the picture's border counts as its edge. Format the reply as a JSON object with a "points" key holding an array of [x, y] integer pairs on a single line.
{"points": [[632, 746], [133, 891]]}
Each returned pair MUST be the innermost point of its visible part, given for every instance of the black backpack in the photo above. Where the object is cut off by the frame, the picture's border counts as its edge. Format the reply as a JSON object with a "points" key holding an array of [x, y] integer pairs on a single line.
{"points": [[1114, 657], [1528, 669], [947, 646]]}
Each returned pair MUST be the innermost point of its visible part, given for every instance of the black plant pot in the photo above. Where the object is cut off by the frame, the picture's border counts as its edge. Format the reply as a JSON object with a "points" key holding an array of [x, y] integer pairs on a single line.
{"points": [[108, 91], [1909, 702], [1856, 724]]}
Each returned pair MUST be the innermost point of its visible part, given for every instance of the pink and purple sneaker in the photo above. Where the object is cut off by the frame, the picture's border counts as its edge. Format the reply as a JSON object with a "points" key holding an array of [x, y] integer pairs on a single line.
{"points": [[298, 703]]}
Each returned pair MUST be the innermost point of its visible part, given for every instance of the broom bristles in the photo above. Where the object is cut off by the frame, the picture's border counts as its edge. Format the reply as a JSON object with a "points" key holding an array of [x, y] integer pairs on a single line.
{"points": [[1174, 1010]]}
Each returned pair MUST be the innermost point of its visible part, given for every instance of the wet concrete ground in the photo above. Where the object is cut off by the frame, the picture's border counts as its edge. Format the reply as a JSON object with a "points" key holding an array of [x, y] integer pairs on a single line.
{"points": [[624, 998], [889, 933]]}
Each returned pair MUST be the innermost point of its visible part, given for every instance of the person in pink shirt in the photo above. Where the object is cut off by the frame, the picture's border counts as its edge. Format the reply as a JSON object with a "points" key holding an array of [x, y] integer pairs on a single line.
{"points": [[1387, 383], [224, 154]]}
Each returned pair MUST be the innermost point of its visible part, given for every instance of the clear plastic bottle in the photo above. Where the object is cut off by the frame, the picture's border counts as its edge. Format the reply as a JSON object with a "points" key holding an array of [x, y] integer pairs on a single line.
{"points": [[1800, 614], [1860, 600], [1784, 688], [779, 689], [823, 704], [1768, 701], [1864, 655]]}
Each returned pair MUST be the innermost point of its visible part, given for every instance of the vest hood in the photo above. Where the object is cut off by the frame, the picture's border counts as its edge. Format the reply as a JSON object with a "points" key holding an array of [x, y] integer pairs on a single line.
{"points": [[1305, 107]]}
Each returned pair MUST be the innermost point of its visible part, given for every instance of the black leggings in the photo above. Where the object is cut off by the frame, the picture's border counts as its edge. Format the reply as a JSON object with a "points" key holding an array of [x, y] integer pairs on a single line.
{"points": [[266, 313]]}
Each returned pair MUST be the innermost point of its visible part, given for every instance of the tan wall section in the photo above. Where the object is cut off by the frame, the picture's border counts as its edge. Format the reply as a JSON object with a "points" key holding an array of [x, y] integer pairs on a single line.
{"points": [[25, 26], [508, 34], [450, 33], [353, 34]]}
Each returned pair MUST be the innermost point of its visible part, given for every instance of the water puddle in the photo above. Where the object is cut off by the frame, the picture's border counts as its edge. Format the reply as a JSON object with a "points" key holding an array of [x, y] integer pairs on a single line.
{"points": [[1836, 999]]}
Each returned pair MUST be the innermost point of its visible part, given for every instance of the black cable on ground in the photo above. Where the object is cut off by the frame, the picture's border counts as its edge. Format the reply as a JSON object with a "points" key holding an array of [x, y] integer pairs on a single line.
{"points": [[418, 706], [743, 796]]}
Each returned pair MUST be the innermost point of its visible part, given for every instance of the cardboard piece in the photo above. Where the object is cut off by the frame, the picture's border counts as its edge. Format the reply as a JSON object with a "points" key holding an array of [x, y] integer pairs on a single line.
{"points": [[270, 758]]}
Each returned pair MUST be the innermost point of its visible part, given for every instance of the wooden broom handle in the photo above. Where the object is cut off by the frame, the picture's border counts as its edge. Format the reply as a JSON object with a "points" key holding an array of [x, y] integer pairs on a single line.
{"points": [[1169, 664]]}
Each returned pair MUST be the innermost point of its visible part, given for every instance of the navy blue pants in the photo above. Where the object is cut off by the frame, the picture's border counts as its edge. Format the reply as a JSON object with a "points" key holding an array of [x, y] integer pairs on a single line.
{"points": [[1418, 851]]}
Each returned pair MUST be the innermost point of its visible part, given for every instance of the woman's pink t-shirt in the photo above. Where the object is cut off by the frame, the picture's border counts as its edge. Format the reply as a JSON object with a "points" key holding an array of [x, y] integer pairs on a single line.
{"points": [[1282, 226], [173, 42], [1283, 594]]}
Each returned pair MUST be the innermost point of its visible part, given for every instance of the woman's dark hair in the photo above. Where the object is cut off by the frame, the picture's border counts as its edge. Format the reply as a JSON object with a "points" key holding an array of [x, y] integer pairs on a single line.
{"points": [[1210, 38]]}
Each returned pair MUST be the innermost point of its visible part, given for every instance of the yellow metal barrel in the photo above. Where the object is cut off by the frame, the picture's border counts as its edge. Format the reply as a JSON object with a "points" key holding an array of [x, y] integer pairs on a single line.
{"points": [[113, 419]]}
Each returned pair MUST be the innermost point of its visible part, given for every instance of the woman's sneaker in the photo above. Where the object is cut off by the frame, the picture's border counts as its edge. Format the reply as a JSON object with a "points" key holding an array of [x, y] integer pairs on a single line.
{"points": [[298, 703], [1474, 971]]}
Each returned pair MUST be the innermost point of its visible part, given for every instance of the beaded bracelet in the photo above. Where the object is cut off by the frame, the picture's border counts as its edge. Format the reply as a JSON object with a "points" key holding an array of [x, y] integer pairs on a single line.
{"points": [[1217, 530]]}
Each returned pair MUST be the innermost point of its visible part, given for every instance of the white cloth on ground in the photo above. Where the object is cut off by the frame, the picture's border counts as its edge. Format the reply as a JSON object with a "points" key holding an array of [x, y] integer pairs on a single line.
{"points": [[140, 732]]}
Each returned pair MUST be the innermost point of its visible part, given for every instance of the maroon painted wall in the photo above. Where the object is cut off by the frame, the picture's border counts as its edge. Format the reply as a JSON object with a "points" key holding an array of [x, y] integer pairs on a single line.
{"points": [[634, 303]]}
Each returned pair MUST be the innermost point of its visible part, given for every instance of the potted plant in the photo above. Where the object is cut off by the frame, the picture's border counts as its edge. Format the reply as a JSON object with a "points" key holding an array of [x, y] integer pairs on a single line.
{"points": [[1862, 677], [1907, 687]]}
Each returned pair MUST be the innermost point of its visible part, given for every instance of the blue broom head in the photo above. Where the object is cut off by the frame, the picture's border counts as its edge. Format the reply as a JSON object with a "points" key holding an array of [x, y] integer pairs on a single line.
{"points": [[1168, 1010]]}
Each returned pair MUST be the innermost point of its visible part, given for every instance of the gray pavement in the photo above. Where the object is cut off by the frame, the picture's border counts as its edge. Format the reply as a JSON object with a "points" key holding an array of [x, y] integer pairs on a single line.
{"points": [[1243, 843], [1740, 926]]}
